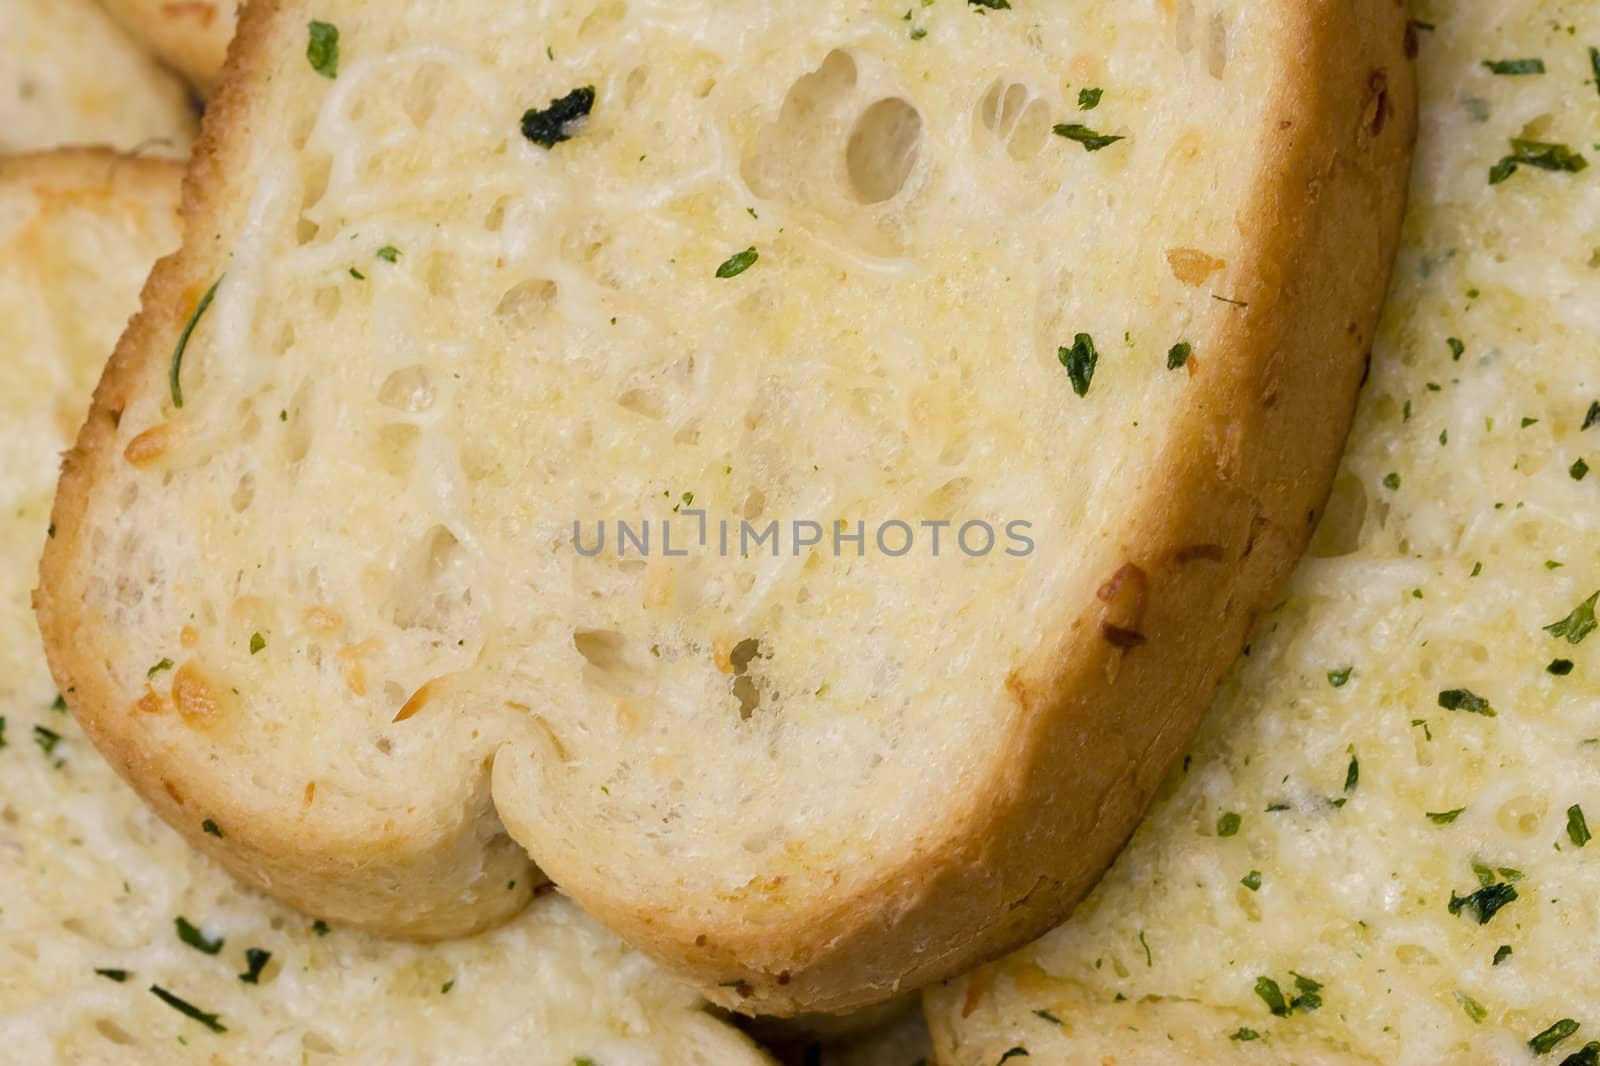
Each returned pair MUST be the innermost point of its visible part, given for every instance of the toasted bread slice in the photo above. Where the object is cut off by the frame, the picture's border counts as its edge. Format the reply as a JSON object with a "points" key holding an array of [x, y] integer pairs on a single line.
{"points": [[1415, 726], [70, 75], [94, 883], [1091, 287], [191, 36]]}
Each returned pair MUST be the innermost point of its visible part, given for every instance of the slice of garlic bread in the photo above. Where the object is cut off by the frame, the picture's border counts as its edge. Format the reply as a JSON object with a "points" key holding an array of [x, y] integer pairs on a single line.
{"points": [[70, 75], [1379, 852], [974, 378], [191, 36], [95, 886]]}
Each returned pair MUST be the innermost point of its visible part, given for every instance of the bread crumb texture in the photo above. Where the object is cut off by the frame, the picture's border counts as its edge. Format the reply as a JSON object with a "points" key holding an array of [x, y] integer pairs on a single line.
{"points": [[70, 75], [92, 884], [1378, 851]]}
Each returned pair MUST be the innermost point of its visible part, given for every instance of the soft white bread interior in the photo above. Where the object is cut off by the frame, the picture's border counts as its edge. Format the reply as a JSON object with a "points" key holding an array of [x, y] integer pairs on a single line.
{"points": [[191, 37], [1110, 270], [70, 75], [1349, 815], [94, 883]]}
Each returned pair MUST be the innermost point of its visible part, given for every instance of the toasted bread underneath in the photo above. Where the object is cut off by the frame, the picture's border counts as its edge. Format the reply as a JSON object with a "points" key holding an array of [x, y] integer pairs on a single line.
{"points": [[69, 75], [94, 883], [191, 36], [454, 283]]}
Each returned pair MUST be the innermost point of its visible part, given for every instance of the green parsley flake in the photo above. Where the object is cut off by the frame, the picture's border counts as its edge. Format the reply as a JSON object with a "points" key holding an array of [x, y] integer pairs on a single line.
{"points": [[1589, 1056], [1338, 678], [1228, 824], [1579, 470], [1243, 1034], [164, 664], [189, 1010], [1352, 775], [1252, 880], [1577, 625], [257, 643], [1089, 99], [1178, 355], [1514, 66], [1539, 154], [191, 934], [991, 5], [47, 739], [1091, 141], [552, 125], [388, 253], [1080, 361], [1559, 667], [322, 48], [737, 264], [1501, 954], [1018, 1051], [1461, 699], [1457, 349], [1445, 817], [1577, 826], [1472, 1007], [175, 369], [1546, 1041], [118, 976], [256, 959], [1391, 481], [1592, 418], [1484, 903], [211, 828]]}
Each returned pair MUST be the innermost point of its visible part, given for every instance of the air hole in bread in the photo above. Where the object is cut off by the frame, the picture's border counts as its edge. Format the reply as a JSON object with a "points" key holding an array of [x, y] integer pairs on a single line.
{"points": [[1217, 45], [420, 97], [495, 219], [443, 274], [114, 1033], [612, 664], [746, 688], [644, 402], [1031, 132], [1183, 28], [634, 84], [298, 429], [318, 1044], [1522, 816], [409, 389], [244, 493], [1339, 532], [397, 447], [883, 149], [326, 302], [755, 504], [314, 184], [526, 302], [601, 19], [1414, 955], [432, 589]]}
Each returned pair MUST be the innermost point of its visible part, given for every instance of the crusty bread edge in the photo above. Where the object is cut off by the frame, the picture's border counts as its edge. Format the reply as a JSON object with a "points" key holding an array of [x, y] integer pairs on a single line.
{"points": [[426, 888]]}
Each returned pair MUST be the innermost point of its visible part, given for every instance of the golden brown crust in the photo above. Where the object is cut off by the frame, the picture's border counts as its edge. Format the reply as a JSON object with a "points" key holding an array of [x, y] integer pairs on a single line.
{"points": [[66, 170], [1114, 701]]}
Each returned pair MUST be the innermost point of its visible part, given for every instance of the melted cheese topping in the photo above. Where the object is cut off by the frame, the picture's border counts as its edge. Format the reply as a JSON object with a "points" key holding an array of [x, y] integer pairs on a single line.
{"points": [[91, 880], [1462, 526]]}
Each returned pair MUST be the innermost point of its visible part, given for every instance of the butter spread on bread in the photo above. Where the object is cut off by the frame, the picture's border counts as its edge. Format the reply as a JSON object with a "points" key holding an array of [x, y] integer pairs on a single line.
{"points": [[455, 289]]}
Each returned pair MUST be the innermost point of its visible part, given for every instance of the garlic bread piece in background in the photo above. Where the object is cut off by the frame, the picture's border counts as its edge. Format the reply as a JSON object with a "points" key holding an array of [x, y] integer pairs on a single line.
{"points": [[70, 75]]}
